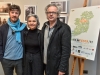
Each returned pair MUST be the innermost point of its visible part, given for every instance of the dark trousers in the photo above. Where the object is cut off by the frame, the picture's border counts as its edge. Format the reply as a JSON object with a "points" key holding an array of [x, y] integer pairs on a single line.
{"points": [[33, 64], [10, 65], [44, 67]]}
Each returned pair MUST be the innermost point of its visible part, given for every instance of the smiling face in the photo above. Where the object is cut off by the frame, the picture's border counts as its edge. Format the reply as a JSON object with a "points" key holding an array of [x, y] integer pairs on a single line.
{"points": [[32, 23], [52, 13], [14, 15]]}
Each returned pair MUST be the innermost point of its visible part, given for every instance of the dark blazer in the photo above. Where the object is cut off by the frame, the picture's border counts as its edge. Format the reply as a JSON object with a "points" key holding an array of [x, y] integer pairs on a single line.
{"points": [[3, 38], [59, 49]]}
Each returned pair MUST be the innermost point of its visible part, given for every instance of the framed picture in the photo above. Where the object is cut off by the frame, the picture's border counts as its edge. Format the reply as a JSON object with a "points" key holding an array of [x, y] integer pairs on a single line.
{"points": [[29, 9], [61, 4], [63, 19], [3, 20], [4, 7]]}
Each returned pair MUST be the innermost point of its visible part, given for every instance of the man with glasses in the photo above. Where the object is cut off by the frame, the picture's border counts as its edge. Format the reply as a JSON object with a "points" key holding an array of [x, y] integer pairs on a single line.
{"points": [[56, 43]]}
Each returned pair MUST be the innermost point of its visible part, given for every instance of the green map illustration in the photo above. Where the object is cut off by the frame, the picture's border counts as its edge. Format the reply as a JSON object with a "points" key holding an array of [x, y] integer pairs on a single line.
{"points": [[82, 24]]}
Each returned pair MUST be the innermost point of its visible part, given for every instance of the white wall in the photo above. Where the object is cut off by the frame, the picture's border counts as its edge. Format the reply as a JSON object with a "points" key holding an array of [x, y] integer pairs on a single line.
{"points": [[91, 66]]}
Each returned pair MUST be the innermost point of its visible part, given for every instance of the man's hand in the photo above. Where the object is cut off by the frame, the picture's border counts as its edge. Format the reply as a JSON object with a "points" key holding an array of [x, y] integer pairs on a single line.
{"points": [[61, 73]]}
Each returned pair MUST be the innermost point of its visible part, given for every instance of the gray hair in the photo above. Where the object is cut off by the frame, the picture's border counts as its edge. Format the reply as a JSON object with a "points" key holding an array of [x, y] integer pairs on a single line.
{"points": [[35, 16], [49, 5]]}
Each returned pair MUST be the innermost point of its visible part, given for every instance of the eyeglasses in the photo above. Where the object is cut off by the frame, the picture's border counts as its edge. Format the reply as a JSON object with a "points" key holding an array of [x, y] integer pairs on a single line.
{"points": [[51, 12]]}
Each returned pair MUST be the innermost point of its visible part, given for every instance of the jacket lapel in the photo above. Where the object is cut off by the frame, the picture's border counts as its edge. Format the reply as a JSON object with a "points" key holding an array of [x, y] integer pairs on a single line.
{"points": [[5, 35], [42, 32], [54, 32]]}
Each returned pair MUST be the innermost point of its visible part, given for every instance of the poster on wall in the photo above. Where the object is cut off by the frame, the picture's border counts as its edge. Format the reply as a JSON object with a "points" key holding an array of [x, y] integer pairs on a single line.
{"points": [[4, 7], [85, 25], [29, 9], [62, 4], [3, 20], [63, 19]]}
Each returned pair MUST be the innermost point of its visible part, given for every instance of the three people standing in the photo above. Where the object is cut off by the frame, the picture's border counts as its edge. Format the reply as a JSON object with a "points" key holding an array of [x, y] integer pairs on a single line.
{"points": [[51, 45]]}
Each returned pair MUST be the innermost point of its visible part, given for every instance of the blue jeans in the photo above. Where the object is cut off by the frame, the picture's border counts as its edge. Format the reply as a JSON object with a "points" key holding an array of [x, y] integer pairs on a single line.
{"points": [[10, 65]]}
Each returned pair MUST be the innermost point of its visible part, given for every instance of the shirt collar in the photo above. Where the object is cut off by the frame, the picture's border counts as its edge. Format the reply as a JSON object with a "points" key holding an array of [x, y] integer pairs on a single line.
{"points": [[47, 24]]}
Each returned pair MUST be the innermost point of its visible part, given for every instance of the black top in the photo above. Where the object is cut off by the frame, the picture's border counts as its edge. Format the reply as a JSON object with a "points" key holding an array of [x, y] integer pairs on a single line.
{"points": [[32, 42]]}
